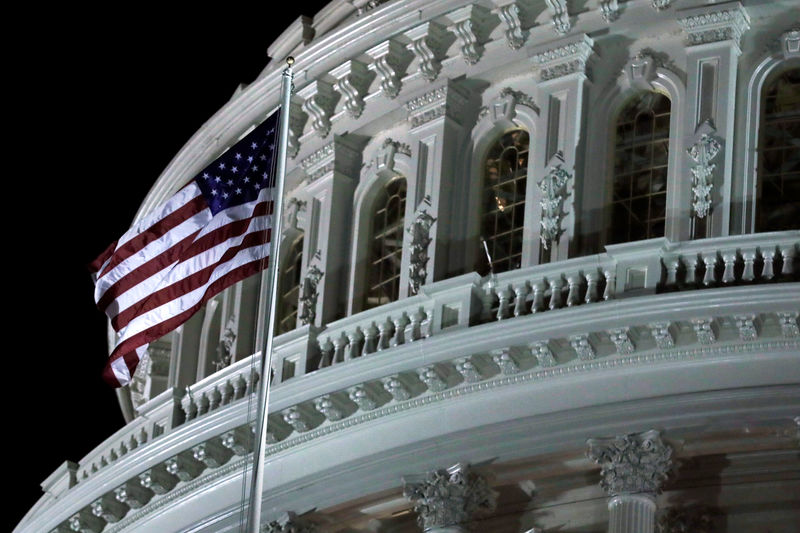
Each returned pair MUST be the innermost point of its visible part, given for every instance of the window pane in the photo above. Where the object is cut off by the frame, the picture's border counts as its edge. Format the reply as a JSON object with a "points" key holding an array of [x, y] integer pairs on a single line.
{"points": [[386, 245], [289, 287], [778, 201], [640, 169], [503, 201]]}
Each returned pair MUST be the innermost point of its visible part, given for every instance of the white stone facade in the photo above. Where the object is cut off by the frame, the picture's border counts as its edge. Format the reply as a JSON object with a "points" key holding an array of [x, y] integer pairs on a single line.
{"points": [[621, 386]]}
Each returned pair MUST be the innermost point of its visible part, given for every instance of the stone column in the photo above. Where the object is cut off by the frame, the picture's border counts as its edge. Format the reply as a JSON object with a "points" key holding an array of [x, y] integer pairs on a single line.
{"points": [[446, 500], [712, 53], [633, 467]]}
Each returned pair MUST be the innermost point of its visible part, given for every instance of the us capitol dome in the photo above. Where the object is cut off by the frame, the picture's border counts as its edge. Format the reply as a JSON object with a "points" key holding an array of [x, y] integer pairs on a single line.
{"points": [[539, 273]]}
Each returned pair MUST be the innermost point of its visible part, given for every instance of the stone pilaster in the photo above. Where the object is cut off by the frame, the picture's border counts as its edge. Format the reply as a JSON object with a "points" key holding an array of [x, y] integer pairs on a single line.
{"points": [[633, 468], [446, 500]]}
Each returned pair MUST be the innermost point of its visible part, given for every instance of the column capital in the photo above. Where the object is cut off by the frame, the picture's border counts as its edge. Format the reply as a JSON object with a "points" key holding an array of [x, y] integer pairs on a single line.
{"points": [[563, 57], [632, 463], [449, 100], [715, 23], [449, 497], [289, 522]]}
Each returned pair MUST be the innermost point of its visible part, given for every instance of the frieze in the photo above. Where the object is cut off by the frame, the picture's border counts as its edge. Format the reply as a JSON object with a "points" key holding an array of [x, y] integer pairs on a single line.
{"points": [[443, 101], [724, 22], [565, 57]]}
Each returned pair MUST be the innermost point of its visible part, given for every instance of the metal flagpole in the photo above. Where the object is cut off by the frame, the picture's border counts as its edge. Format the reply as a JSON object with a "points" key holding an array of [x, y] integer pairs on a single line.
{"points": [[257, 484]]}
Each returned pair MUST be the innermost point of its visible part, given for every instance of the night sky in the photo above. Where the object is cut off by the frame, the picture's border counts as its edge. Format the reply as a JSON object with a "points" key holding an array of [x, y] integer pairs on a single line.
{"points": [[99, 104]]}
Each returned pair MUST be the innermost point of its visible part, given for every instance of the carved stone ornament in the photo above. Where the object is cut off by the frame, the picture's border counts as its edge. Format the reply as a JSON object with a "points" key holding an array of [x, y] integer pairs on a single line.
{"points": [[470, 24], [558, 10], [293, 209], [225, 346], [369, 5], [680, 519], [641, 71], [709, 24], [510, 14], [702, 153], [565, 57], [352, 81], [554, 192], [429, 43], [319, 103], [660, 5], [420, 232], [504, 106], [452, 497], [631, 464], [289, 523], [790, 43], [388, 150], [391, 59], [609, 10], [447, 101], [309, 295]]}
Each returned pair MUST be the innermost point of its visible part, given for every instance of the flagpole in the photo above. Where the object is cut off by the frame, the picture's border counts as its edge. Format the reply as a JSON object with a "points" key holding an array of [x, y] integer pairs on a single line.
{"points": [[257, 483]]}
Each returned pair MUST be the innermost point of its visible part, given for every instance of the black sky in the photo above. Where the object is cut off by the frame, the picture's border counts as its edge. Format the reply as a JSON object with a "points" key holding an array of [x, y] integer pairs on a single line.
{"points": [[99, 105]]}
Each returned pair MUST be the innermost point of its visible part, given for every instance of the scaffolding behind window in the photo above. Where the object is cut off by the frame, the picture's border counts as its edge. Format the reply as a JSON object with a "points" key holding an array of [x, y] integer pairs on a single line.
{"points": [[289, 287], [386, 244]]}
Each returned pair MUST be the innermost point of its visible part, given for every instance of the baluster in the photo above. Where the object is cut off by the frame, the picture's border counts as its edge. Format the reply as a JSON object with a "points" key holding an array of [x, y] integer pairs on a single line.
{"points": [[400, 324], [189, 407], [671, 265], [748, 273], [355, 338], [339, 344], [239, 387], [591, 286], [252, 379], [370, 340], [326, 348], [520, 295], [710, 261], [487, 300], [412, 332], [574, 296], [691, 269], [788, 258], [505, 297], [385, 328], [214, 399], [729, 258], [611, 276], [555, 293], [426, 325], [769, 257], [538, 297], [227, 392], [202, 404]]}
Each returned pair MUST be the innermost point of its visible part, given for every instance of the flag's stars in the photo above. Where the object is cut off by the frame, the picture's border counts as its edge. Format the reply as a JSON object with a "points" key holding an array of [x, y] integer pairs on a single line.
{"points": [[229, 182], [238, 156], [206, 175], [272, 146], [255, 168], [234, 169], [213, 192], [253, 145], [262, 157], [225, 195], [222, 166], [249, 158], [264, 175], [247, 179], [238, 190], [217, 179]]}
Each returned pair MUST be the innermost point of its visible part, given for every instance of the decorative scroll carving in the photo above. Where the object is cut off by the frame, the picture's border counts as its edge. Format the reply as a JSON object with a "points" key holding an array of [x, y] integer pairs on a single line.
{"points": [[329, 408], [582, 347], [319, 104], [662, 335], [468, 370], [554, 192], [660, 5], [790, 43], [212, 454], [352, 80], [788, 322], [133, 494], [724, 22], [609, 10], [387, 152], [510, 15], [420, 232], [225, 346], [704, 330], [239, 440], [391, 59], [309, 294], [747, 326], [184, 466], [561, 23], [86, 522], [544, 355], [289, 522], [429, 44], [633, 463], [451, 497], [364, 396], [109, 509], [507, 362], [369, 6], [702, 152], [622, 340], [641, 71], [395, 386], [470, 26], [158, 480], [297, 121], [432, 378], [568, 56], [504, 106]]}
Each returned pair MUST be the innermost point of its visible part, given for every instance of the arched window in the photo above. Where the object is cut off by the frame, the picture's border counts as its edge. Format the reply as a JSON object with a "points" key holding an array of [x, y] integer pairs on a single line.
{"points": [[641, 151], [503, 202], [386, 244], [289, 287], [778, 184]]}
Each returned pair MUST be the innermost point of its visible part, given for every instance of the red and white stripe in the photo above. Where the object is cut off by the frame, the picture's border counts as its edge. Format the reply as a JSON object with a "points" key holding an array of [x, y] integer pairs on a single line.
{"points": [[167, 266]]}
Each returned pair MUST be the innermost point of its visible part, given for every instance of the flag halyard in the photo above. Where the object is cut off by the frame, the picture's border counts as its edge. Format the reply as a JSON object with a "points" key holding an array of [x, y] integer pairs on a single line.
{"points": [[211, 234]]}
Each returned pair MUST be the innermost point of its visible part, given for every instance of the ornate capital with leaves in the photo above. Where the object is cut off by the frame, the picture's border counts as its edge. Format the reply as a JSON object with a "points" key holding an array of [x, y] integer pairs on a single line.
{"points": [[451, 497], [632, 464], [420, 232], [309, 294], [554, 192], [702, 153]]}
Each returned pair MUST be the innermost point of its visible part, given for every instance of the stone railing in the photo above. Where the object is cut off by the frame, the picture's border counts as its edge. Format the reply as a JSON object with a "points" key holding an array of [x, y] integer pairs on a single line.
{"points": [[231, 383]]}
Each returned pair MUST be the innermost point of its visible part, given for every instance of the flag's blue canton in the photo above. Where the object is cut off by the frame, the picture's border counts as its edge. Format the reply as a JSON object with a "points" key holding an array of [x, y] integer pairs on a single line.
{"points": [[238, 175]]}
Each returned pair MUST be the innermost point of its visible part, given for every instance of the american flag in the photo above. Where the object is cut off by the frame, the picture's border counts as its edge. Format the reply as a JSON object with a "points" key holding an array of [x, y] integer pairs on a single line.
{"points": [[212, 233]]}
